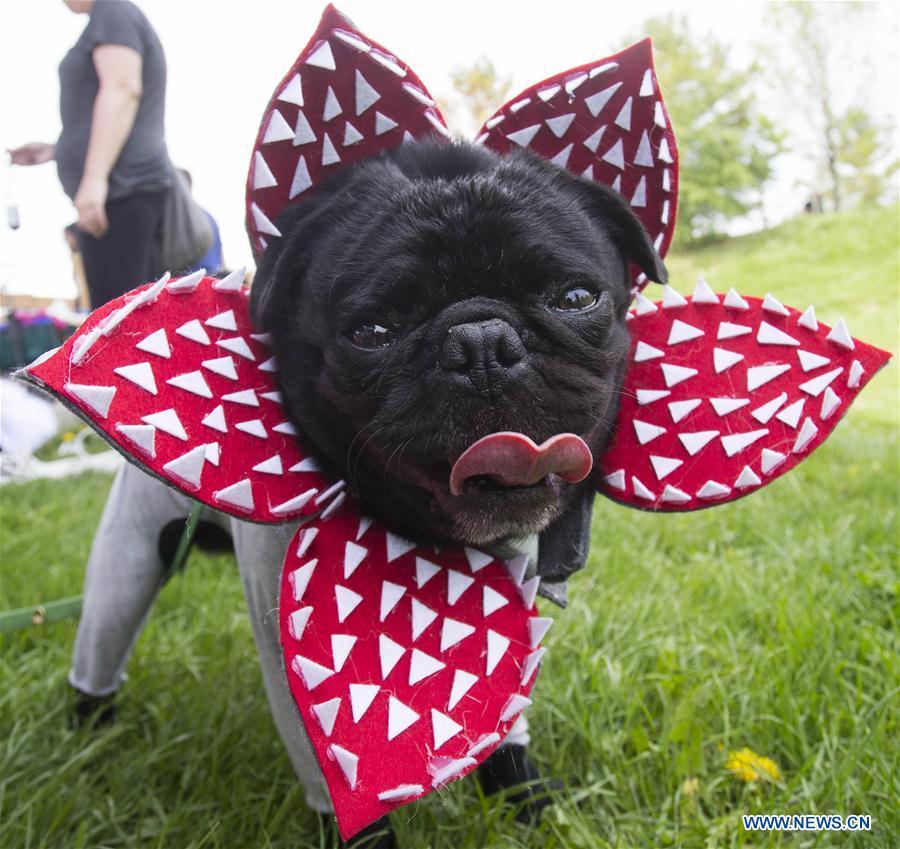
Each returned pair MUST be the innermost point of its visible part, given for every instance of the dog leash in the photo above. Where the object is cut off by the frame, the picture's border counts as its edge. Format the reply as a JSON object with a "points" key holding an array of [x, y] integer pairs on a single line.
{"points": [[70, 608]]}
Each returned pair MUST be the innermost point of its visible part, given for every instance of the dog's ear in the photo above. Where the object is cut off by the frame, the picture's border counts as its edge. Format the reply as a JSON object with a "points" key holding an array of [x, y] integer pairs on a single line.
{"points": [[564, 545], [272, 293], [282, 266], [612, 211]]}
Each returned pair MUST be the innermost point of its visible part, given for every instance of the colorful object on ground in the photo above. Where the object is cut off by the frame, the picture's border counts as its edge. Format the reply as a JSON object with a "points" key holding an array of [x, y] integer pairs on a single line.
{"points": [[409, 664]]}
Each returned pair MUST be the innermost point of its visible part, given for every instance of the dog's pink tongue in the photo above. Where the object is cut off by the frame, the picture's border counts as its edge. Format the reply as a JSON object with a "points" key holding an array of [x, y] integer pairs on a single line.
{"points": [[512, 459]]}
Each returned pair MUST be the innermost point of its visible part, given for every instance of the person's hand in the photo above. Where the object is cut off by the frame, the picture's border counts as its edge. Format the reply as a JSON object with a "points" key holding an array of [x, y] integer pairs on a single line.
{"points": [[90, 201], [34, 153]]}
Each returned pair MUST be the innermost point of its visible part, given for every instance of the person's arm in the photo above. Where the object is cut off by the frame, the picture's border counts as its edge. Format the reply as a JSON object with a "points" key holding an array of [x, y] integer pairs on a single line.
{"points": [[115, 107], [33, 153]]}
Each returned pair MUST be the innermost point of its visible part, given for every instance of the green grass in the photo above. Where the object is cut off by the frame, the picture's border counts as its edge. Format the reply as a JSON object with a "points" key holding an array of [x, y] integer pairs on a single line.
{"points": [[769, 623]]}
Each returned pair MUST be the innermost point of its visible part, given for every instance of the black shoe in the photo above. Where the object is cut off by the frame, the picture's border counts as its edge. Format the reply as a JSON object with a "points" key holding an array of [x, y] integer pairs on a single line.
{"points": [[92, 711], [509, 768], [376, 835]]}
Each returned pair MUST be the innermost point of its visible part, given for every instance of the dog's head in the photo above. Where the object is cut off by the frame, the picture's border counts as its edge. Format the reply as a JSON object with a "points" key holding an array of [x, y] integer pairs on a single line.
{"points": [[429, 297]]}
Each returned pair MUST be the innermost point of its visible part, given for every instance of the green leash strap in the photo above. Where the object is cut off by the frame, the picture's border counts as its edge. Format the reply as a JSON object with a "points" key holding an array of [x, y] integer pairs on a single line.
{"points": [[42, 614], [187, 539], [70, 608]]}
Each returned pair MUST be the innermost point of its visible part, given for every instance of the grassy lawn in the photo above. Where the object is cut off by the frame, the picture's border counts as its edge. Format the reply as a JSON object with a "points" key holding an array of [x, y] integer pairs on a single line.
{"points": [[768, 624]]}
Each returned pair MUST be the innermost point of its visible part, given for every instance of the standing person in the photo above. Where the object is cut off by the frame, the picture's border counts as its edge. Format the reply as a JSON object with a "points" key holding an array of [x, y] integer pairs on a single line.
{"points": [[111, 154]]}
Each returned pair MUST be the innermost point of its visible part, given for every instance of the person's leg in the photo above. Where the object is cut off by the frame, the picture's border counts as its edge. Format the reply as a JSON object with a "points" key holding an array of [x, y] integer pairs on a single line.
{"points": [[124, 573], [122, 258]]}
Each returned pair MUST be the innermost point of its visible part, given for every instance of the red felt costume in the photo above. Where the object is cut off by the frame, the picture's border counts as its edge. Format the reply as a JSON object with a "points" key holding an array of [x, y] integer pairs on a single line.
{"points": [[408, 664]]}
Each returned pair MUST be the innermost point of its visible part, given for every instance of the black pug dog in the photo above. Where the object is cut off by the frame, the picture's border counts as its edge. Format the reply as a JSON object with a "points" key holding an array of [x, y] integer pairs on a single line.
{"points": [[436, 294], [430, 297]]}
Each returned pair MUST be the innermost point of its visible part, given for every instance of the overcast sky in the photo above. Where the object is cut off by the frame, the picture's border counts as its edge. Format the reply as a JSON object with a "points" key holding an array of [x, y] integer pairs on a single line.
{"points": [[224, 60]]}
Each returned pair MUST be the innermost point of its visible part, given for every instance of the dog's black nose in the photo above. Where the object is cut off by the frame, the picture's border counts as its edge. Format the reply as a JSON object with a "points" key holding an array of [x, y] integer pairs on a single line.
{"points": [[483, 351]]}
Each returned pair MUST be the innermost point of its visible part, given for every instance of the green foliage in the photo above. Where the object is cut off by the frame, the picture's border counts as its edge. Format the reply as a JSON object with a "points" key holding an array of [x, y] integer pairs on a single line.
{"points": [[482, 89], [725, 145], [769, 623], [868, 174], [819, 60]]}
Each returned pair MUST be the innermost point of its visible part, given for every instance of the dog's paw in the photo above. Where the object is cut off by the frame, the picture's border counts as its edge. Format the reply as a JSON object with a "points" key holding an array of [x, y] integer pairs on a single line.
{"points": [[510, 770], [92, 712]]}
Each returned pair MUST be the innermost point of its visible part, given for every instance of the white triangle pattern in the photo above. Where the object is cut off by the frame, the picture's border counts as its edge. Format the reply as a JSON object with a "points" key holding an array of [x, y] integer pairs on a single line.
{"points": [[141, 374], [341, 646], [326, 713], [361, 698], [400, 717], [422, 617], [389, 653], [443, 728], [453, 632], [462, 683], [738, 437], [213, 452], [156, 343], [143, 436]]}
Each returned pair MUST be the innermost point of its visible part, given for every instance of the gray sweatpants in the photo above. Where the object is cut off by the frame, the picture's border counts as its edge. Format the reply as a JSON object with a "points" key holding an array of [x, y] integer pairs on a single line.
{"points": [[125, 572]]}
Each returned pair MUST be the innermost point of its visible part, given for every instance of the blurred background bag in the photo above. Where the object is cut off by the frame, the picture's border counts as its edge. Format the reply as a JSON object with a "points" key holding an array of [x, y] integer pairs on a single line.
{"points": [[185, 234]]}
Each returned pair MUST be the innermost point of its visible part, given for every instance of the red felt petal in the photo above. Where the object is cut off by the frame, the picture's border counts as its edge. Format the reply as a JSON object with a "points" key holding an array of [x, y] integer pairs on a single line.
{"points": [[185, 387], [605, 121], [345, 98], [382, 609], [723, 397]]}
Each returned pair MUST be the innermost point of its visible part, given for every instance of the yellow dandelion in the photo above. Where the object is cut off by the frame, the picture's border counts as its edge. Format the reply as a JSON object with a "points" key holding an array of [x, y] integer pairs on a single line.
{"points": [[748, 766]]}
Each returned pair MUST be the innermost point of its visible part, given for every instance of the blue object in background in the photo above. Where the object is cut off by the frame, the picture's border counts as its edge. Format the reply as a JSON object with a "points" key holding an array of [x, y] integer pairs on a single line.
{"points": [[212, 259]]}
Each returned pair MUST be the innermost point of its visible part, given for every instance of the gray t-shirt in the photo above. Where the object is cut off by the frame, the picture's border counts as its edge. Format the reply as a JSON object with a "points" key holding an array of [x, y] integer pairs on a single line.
{"points": [[143, 165]]}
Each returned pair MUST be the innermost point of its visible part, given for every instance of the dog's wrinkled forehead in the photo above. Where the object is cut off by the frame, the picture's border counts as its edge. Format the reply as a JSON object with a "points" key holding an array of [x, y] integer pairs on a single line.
{"points": [[509, 229]]}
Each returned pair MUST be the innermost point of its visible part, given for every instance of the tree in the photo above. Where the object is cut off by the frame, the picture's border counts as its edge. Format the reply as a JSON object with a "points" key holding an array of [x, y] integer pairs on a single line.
{"points": [[726, 146], [823, 70], [867, 172], [481, 90]]}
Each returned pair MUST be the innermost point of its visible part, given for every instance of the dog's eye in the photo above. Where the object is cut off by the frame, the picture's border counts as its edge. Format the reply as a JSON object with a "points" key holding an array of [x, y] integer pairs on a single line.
{"points": [[575, 300], [372, 336]]}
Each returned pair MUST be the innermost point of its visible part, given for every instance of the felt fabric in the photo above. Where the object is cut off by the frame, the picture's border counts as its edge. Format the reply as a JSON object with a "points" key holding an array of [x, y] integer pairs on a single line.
{"points": [[345, 98], [186, 388], [125, 571], [724, 394], [408, 665], [605, 121]]}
